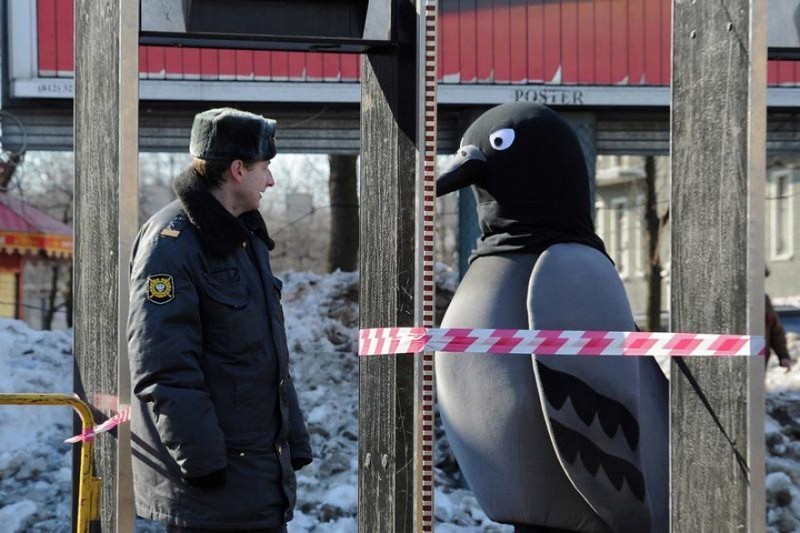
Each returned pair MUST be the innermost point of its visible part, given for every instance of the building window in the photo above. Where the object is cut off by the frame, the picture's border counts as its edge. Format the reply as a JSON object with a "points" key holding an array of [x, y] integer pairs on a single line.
{"points": [[620, 230], [782, 215], [599, 217]]}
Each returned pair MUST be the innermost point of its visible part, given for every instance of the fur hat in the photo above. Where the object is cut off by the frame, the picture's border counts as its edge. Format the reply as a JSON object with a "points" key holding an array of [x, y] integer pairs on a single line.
{"points": [[226, 134]]}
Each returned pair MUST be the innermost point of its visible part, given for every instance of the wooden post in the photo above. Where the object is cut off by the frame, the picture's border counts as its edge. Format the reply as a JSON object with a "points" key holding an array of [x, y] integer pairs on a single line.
{"points": [[106, 177], [718, 165], [343, 195], [128, 224], [387, 226]]}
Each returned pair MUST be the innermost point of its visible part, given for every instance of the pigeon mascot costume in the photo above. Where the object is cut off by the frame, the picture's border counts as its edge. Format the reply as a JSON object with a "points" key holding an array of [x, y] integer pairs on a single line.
{"points": [[547, 443]]}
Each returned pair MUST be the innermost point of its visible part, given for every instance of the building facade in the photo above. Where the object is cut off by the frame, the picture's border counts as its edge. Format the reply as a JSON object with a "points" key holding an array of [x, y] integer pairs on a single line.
{"points": [[620, 220]]}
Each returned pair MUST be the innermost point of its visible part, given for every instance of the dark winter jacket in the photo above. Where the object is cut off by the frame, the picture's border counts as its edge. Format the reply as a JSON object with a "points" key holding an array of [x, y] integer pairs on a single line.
{"points": [[774, 334], [210, 369]]}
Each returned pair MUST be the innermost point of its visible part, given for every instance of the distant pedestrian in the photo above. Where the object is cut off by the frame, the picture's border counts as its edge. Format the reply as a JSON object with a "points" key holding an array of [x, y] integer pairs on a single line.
{"points": [[217, 428], [776, 337]]}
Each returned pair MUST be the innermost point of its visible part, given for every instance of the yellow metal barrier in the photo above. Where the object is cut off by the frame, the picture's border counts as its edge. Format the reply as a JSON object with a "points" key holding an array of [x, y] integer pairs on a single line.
{"points": [[88, 485]]}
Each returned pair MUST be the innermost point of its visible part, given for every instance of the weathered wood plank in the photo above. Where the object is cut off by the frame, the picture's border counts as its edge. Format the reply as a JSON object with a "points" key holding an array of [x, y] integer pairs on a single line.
{"points": [[128, 203], [387, 208], [105, 134], [96, 224], [718, 149]]}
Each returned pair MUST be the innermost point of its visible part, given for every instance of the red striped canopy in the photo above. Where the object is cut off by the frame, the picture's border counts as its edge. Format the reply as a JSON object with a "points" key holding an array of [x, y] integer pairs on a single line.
{"points": [[26, 230]]}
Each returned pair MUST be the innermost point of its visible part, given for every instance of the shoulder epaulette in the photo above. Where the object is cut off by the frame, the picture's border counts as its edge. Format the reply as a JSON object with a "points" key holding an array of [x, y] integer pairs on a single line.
{"points": [[175, 226]]}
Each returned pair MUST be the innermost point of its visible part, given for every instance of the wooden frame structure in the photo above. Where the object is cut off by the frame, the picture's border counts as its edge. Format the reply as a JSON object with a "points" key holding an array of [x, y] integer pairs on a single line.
{"points": [[106, 204], [712, 292], [386, 295], [718, 155]]}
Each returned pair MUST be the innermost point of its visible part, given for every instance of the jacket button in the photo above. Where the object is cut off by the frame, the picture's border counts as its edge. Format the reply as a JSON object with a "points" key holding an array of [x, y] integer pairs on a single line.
{"points": [[241, 454], [244, 244], [279, 448]]}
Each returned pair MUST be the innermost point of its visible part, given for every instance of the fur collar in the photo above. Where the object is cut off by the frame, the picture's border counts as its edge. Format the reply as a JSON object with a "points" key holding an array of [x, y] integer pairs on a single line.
{"points": [[220, 232]]}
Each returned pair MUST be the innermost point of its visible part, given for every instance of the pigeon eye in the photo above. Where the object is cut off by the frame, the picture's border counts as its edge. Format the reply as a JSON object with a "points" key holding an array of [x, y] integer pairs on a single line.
{"points": [[501, 139]]}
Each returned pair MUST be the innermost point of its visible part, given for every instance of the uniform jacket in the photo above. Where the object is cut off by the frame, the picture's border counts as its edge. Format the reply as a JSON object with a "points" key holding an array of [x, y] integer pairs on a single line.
{"points": [[210, 369]]}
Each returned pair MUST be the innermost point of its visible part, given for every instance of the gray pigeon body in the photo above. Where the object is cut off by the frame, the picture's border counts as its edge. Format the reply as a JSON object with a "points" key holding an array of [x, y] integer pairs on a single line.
{"points": [[576, 443]]}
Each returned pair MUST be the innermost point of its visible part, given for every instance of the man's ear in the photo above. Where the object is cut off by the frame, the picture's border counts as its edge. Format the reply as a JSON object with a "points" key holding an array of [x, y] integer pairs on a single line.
{"points": [[236, 170]]}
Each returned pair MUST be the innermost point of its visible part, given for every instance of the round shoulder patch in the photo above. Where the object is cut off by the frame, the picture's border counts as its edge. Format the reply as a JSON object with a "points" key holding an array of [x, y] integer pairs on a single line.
{"points": [[160, 288]]}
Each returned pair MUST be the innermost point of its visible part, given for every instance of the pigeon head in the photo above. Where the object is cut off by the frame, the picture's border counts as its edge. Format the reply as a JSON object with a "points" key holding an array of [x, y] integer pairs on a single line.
{"points": [[522, 156], [527, 170]]}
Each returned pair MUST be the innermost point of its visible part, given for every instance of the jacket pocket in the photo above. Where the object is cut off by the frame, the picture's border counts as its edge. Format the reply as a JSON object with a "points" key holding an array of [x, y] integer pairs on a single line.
{"points": [[226, 287], [253, 491], [226, 314], [255, 487]]}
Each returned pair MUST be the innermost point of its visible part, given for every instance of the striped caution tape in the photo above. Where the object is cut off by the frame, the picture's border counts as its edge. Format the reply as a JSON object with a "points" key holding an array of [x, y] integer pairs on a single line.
{"points": [[88, 434], [385, 341]]}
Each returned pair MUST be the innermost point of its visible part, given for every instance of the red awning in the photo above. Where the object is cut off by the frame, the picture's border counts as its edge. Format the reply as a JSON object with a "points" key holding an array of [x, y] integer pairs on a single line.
{"points": [[25, 229]]}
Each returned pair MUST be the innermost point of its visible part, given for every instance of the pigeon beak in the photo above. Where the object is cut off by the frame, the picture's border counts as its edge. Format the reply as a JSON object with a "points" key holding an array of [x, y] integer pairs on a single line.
{"points": [[465, 168]]}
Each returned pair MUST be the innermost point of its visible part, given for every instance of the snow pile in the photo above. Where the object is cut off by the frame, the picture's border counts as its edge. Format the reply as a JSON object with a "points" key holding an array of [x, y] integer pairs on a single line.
{"points": [[782, 432], [35, 464], [322, 323], [322, 328]]}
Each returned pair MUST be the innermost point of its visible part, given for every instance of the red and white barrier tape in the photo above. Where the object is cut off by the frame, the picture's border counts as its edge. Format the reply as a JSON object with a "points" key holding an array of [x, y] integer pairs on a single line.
{"points": [[385, 341], [88, 434]]}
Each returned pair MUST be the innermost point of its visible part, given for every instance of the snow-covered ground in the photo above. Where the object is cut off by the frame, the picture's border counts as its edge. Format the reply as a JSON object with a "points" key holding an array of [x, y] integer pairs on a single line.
{"points": [[322, 320], [782, 431]]}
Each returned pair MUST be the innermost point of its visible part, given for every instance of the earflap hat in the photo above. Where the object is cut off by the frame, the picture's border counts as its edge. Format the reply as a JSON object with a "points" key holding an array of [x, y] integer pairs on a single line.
{"points": [[226, 134]]}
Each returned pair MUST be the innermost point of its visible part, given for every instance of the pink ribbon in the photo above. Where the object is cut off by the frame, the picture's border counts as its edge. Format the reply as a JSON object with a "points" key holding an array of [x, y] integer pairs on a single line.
{"points": [[88, 434]]}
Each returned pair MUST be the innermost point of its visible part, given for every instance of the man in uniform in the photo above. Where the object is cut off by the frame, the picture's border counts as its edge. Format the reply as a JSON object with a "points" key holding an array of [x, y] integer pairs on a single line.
{"points": [[217, 429]]}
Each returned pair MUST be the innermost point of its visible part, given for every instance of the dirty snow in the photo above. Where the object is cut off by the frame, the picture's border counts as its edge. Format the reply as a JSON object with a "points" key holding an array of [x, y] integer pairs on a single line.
{"points": [[322, 320]]}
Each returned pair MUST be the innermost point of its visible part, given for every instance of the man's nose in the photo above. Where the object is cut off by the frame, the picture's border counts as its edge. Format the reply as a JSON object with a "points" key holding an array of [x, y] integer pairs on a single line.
{"points": [[270, 179]]}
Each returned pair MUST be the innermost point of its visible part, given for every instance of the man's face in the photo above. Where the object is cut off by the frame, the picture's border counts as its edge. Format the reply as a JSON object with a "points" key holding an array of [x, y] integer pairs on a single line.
{"points": [[255, 181]]}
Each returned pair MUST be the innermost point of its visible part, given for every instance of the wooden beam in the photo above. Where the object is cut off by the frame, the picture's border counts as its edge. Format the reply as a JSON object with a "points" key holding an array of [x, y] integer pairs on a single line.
{"points": [[128, 224], [718, 164], [106, 168], [387, 225]]}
